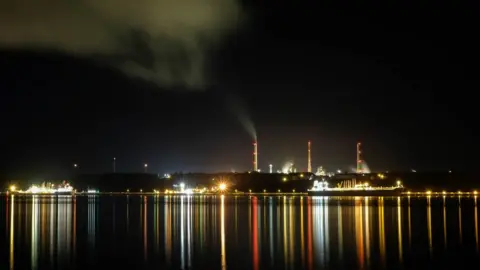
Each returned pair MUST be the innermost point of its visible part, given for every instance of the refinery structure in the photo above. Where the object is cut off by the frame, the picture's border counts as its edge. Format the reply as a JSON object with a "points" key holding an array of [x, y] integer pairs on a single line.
{"points": [[289, 166], [286, 178]]}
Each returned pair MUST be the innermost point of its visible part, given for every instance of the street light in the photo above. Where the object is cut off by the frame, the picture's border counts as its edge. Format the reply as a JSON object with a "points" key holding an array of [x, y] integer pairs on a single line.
{"points": [[145, 166], [75, 165]]}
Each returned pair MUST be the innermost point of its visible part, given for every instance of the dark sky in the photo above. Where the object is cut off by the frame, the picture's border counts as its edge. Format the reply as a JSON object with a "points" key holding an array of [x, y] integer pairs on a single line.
{"points": [[402, 78]]}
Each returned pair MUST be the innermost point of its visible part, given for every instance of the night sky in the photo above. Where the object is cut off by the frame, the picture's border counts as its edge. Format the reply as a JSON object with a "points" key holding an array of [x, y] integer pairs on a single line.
{"points": [[401, 78]]}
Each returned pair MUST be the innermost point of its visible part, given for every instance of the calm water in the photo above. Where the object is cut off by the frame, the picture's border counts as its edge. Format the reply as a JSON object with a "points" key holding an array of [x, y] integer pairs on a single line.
{"points": [[216, 232]]}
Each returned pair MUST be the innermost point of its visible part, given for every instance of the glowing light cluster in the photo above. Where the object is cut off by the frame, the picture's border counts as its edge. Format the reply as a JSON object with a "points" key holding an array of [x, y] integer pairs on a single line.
{"points": [[46, 189]]}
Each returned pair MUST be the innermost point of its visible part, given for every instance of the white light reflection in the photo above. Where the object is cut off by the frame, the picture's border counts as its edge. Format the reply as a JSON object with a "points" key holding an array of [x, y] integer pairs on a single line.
{"points": [[64, 215], [12, 232], [399, 220], [91, 227], [285, 239], [189, 229], [74, 227], [145, 228], [182, 234], [319, 229], [53, 223], [222, 235], [35, 230], [68, 228], [326, 231], [340, 231], [271, 232], [291, 250]]}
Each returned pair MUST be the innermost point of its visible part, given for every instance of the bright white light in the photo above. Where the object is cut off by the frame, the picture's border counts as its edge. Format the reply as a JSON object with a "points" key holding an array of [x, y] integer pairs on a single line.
{"points": [[13, 188], [182, 185], [188, 191], [34, 189], [222, 186]]}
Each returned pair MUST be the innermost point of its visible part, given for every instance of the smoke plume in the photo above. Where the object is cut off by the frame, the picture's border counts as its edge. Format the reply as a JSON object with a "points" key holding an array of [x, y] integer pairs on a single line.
{"points": [[160, 40], [237, 108]]}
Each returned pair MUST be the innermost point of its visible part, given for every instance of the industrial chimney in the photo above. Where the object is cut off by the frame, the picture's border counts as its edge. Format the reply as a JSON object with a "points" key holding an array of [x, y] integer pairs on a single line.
{"points": [[255, 157], [309, 169], [359, 158]]}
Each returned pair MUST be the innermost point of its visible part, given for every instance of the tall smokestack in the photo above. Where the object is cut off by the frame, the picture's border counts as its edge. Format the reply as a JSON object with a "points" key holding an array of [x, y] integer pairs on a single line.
{"points": [[309, 169], [359, 158], [255, 157]]}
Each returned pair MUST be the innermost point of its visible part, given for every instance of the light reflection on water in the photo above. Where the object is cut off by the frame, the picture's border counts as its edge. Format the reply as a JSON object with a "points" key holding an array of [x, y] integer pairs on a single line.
{"points": [[224, 232]]}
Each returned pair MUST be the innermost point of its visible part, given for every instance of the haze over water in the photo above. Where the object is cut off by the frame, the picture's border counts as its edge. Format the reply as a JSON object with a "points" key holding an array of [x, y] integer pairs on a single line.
{"points": [[217, 232]]}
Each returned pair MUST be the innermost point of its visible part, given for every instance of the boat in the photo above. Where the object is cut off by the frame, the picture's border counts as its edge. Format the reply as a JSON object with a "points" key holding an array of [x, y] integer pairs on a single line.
{"points": [[320, 188]]}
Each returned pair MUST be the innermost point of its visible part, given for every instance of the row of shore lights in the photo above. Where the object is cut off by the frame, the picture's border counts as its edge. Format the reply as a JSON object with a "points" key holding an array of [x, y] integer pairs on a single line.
{"points": [[429, 192]]}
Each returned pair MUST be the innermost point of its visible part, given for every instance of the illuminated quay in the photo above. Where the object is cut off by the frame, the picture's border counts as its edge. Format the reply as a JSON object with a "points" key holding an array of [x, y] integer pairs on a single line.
{"points": [[321, 187], [45, 188]]}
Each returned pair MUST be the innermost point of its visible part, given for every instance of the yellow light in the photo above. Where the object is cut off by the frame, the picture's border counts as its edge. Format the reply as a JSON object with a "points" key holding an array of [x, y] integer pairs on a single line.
{"points": [[474, 192], [301, 175], [429, 192], [444, 192], [13, 188], [284, 179], [366, 184], [408, 192], [222, 186]]}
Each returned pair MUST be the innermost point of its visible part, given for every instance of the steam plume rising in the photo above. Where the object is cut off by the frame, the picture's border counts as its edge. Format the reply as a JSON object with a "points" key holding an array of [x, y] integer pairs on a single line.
{"points": [[239, 110], [159, 40]]}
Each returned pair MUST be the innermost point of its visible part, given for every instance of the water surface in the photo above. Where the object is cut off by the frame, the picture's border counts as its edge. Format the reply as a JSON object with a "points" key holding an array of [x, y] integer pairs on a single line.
{"points": [[217, 232]]}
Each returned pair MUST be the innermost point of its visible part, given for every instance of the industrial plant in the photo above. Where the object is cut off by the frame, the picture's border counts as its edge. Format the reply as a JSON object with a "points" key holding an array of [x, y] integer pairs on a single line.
{"points": [[288, 179]]}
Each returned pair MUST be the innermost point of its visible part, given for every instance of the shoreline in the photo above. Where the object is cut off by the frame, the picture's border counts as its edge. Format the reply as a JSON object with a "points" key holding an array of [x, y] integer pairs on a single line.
{"points": [[403, 194]]}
